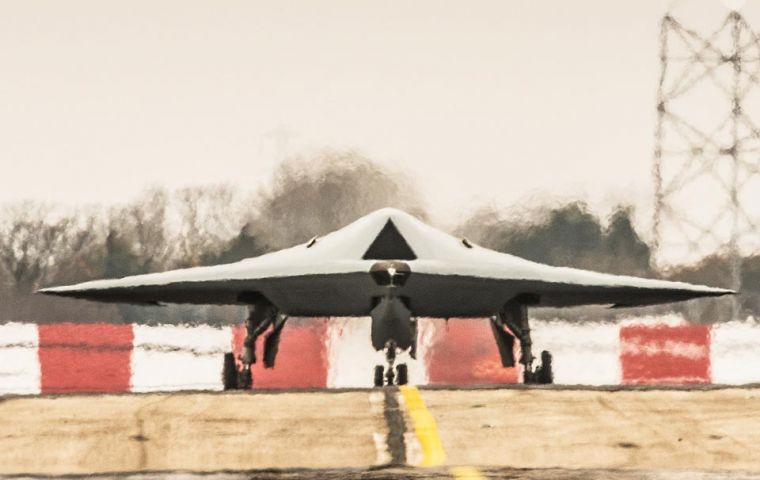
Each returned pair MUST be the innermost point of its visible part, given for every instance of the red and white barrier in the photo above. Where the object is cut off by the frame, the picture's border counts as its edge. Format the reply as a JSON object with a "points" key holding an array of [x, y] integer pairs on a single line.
{"points": [[318, 353]]}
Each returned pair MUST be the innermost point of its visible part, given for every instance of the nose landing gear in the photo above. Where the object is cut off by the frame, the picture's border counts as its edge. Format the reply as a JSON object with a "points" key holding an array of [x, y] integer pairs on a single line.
{"points": [[391, 374]]}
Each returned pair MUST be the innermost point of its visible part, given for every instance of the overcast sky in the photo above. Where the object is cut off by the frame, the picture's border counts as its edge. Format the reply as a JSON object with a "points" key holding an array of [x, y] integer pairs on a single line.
{"points": [[484, 102]]}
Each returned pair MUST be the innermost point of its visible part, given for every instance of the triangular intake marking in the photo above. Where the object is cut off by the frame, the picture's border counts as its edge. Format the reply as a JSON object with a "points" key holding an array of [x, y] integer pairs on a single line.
{"points": [[389, 245]]}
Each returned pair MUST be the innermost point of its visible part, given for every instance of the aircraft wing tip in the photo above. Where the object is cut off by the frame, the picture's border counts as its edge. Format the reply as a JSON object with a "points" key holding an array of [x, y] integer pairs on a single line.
{"points": [[63, 290], [713, 292], [50, 291], [717, 292], [56, 291]]}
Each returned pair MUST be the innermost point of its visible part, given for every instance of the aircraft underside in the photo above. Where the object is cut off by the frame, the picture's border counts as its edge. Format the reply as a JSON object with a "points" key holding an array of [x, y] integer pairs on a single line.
{"points": [[393, 330]]}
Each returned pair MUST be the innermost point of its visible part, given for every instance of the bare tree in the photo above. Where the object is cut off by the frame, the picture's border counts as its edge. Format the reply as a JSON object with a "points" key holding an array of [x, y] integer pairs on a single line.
{"points": [[80, 254], [39, 245], [209, 217], [137, 240]]}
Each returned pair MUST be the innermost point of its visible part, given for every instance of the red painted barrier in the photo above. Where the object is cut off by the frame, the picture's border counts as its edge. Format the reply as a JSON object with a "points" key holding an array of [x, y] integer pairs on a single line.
{"points": [[301, 360], [664, 354], [85, 358], [464, 352]]}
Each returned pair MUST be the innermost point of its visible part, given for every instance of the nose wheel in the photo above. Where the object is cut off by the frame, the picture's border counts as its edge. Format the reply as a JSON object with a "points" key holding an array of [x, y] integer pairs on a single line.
{"points": [[390, 374], [379, 377]]}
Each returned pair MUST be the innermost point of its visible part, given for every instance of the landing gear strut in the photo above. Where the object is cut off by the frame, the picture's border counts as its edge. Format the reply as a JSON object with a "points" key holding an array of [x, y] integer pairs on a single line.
{"points": [[261, 316], [391, 374], [512, 322]]}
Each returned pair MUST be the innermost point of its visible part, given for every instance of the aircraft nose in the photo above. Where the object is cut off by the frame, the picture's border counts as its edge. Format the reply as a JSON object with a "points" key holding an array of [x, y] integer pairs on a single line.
{"points": [[390, 272]]}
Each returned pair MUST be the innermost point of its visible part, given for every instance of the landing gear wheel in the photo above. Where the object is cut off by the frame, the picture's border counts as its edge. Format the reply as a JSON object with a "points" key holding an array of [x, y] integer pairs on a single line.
{"points": [[389, 376], [544, 374], [402, 374], [245, 378], [230, 372], [378, 380]]}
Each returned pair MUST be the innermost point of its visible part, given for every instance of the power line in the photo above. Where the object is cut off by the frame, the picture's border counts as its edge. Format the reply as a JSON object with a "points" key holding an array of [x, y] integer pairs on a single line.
{"points": [[707, 153]]}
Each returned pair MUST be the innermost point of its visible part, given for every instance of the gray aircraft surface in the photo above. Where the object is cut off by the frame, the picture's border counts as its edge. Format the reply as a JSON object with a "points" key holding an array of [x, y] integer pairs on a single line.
{"points": [[394, 268]]}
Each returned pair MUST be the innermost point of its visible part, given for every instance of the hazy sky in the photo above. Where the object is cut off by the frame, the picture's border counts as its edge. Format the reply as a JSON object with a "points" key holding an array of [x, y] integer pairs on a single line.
{"points": [[488, 102]]}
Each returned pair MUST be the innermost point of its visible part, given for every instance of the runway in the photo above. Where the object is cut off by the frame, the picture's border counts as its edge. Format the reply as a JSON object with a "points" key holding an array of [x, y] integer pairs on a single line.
{"points": [[517, 432]]}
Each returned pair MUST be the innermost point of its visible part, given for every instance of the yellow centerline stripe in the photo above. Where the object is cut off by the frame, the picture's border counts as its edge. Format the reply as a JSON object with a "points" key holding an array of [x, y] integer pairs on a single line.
{"points": [[427, 434], [466, 473], [424, 427]]}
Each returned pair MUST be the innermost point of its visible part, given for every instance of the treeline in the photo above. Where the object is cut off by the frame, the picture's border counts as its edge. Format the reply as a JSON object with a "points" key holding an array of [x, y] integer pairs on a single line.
{"points": [[41, 245], [571, 235]]}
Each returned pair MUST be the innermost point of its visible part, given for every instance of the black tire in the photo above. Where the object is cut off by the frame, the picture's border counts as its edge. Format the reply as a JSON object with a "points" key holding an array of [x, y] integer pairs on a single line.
{"points": [[230, 373], [402, 374], [245, 379], [378, 376], [545, 374]]}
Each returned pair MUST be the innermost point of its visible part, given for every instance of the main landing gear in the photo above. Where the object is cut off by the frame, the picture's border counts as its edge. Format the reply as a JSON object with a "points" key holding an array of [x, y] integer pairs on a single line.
{"points": [[390, 374], [262, 315], [510, 324]]}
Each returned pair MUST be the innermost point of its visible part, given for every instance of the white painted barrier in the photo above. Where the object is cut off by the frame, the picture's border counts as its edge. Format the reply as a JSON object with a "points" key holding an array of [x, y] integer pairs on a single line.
{"points": [[19, 363], [735, 352], [582, 354], [176, 357]]}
